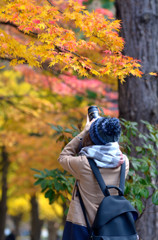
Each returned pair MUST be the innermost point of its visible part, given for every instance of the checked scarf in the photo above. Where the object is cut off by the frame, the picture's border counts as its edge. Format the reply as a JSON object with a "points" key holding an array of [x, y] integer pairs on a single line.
{"points": [[105, 156]]}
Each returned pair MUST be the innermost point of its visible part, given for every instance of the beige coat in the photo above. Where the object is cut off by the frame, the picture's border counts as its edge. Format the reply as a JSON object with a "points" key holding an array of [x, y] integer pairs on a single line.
{"points": [[91, 194]]}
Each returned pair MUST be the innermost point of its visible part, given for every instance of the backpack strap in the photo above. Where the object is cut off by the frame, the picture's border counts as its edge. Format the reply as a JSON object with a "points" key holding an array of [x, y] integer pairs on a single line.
{"points": [[122, 177], [84, 210], [99, 178]]}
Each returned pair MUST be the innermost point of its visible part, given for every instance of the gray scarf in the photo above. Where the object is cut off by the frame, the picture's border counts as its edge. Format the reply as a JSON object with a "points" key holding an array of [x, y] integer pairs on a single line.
{"points": [[105, 156]]}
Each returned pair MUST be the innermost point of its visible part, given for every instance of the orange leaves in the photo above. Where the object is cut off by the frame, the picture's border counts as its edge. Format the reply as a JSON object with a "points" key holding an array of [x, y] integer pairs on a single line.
{"points": [[53, 38], [120, 66]]}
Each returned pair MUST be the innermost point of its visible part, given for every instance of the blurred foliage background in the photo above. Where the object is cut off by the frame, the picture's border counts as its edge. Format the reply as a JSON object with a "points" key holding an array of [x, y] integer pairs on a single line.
{"points": [[31, 100]]}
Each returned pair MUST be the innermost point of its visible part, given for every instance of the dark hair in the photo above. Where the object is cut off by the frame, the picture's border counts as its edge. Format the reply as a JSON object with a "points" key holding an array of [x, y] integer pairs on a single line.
{"points": [[87, 141]]}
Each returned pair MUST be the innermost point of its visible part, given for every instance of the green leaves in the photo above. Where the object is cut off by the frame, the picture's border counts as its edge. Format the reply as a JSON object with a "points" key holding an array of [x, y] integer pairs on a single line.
{"points": [[155, 198], [54, 183], [139, 205], [144, 193], [57, 128], [143, 171], [50, 194], [64, 134]]}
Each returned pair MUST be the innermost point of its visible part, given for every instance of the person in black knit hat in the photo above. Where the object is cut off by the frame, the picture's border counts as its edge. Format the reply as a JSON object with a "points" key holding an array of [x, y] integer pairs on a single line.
{"points": [[104, 130], [99, 141]]}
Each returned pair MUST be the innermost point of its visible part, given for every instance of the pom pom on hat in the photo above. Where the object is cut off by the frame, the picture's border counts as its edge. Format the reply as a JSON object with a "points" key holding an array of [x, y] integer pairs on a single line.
{"points": [[104, 130]]}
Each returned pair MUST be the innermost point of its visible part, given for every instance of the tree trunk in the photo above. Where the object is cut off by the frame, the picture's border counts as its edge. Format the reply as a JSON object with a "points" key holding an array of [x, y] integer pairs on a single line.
{"points": [[36, 223], [3, 202], [52, 229], [138, 97], [17, 220]]}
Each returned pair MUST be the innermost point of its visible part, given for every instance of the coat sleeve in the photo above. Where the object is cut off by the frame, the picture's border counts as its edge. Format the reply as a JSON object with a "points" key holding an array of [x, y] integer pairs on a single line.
{"points": [[69, 159]]}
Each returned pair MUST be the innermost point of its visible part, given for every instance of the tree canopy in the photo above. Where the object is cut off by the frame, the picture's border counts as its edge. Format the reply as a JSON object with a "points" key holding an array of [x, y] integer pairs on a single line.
{"points": [[71, 39]]}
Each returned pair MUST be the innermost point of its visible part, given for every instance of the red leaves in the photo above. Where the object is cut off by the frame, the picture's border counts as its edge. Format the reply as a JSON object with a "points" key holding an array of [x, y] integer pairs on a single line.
{"points": [[36, 21], [52, 22], [104, 12], [107, 52]]}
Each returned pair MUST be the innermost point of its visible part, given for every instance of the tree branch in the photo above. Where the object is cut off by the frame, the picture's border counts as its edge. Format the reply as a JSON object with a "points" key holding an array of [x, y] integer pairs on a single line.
{"points": [[13, 96], [10, 59], [145, 207], [53, 5], [31, 34]]}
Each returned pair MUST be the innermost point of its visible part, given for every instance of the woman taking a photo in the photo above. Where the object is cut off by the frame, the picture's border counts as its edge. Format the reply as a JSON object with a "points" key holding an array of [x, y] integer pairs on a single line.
{"points": [[99, 141]]}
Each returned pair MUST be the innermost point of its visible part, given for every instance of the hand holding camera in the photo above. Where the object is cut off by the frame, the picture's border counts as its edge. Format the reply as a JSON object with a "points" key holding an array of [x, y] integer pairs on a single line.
{"points": [[93, 114]]}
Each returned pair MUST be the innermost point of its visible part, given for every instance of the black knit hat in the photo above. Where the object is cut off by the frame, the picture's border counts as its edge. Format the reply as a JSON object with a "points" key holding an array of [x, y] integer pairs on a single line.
{"points": [[104, 130]]}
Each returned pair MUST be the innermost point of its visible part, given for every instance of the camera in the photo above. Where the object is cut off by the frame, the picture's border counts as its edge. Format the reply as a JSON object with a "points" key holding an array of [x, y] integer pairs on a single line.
{"points": [[93, 112]]}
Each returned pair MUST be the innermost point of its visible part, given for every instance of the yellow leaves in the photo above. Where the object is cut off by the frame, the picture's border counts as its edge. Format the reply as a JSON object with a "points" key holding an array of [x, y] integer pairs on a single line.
{"points": [[106, 71], [95, 39], [133, 72], [8, 84], [153, 74], [22, 7], [14, 62], [20, 95], [75, 6], [54, 60], [18, 205], [86, 45], [1, 67], [47, 211], [95, 72], [41, 25], [19, 53], [122, 79], [65, 68], [24, 88], [138, 73], [7, 139], [115, 25]]}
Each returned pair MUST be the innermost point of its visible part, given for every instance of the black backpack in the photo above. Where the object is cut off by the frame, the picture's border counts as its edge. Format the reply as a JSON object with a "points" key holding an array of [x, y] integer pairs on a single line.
{"points": [[115, 217]]}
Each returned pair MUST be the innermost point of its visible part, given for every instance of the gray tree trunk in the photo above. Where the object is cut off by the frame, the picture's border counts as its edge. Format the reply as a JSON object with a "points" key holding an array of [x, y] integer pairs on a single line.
{"points": [[52, 230], [17, 220], [36, 223], [138, 97], [3, 201]]}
